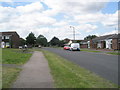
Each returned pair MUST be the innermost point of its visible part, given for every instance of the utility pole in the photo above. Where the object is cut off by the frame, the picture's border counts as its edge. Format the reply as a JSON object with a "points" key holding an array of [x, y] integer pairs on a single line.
{"points": [[73, 32]]}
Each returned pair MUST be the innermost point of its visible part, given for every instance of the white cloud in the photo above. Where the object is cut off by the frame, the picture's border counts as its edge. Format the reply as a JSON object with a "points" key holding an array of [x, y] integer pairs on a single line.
{"points": [[34, 18], [24, 16], [6, 13], [74, 7], [112, 32], [105, 19], [87, 27], [34, 7], [110, 19], [61, 23]]}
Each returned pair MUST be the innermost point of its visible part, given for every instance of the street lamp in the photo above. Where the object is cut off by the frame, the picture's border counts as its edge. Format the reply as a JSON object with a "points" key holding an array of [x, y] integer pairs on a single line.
{"points": [[73, 32]]}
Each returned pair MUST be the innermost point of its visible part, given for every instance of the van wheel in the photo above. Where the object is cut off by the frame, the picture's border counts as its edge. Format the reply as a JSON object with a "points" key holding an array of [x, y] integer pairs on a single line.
{"points": [[78, 49]]}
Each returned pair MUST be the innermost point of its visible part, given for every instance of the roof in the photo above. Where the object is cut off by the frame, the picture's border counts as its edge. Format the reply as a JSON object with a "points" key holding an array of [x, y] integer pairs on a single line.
{"points": [[115, 36], [9, 33], [85, 40], [111, 36]]}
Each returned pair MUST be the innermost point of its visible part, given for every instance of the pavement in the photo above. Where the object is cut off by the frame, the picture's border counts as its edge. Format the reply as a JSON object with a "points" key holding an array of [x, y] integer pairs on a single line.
{"points": [[103, 65], [35, 73]]}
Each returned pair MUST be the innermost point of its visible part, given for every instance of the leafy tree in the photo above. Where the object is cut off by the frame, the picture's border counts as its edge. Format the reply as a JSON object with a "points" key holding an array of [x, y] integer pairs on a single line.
{"points": [[61, 43], [30, 39], [22, 41], [41, 40], [55, 41], [90, 37]]}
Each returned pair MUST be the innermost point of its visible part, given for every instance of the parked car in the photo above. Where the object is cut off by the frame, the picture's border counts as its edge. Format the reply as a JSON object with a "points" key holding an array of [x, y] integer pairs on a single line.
{"points": [[66, 47], [74, 46]]}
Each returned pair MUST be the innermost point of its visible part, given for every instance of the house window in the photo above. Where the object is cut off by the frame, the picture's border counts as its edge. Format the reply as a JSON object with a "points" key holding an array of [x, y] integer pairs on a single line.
{"points": [[7, 44], [7, 37], [99, 45], [118, 40], [2, 37]]}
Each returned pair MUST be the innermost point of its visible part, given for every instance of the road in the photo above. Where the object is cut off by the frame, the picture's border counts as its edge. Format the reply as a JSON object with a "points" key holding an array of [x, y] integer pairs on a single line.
{"points": [[103, 65]]}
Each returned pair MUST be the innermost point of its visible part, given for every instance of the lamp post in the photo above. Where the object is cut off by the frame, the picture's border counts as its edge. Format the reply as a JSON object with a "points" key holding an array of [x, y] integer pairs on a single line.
{"points": [[73, 32]]}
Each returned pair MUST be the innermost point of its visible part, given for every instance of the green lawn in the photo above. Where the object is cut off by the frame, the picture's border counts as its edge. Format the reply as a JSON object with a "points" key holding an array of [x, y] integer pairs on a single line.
{"points": [[89, 50], [69, 75], [9, 75], [12, 56], [114, 53]]}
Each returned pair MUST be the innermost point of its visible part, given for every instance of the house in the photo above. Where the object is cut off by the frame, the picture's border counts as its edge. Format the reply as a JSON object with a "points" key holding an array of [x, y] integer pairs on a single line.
{"points": [[115, 41], [69, 41], [9, 39], [66, 40], [106, 42], [85, 44]]}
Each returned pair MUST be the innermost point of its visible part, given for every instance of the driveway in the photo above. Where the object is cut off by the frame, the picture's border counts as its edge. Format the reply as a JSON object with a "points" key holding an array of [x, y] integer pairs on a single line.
{"points": [[103, 65]]}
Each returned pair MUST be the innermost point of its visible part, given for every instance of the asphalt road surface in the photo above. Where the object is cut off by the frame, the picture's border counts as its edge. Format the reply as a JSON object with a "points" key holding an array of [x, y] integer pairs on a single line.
{"points": [[103, 65]]}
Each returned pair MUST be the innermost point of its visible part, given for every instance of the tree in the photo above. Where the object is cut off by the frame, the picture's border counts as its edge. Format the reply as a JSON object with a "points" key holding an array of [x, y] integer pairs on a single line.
{"points": [[55, 41], [30, 39], [22, 41], [61, 43], [41, 40], [90, 37]]}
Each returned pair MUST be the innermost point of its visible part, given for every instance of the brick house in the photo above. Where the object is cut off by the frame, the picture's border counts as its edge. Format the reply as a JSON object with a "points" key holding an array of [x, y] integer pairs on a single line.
{"points": [[85, 44], [106, 42], [115, 41], [9, 39]]}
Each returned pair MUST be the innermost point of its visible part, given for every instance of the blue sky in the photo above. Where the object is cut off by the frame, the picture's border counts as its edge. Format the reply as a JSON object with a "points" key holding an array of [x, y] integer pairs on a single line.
{"points": [[52, 18], [111, 7]]}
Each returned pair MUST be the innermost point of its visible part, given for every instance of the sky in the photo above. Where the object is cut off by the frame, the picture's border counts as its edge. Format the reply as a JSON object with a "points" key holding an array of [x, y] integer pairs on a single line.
{"points": [[54, 17]]}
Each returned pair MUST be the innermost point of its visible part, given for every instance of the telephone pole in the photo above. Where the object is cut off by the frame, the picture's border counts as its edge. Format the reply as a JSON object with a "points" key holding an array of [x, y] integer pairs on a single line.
{"points": [[73, 32]]}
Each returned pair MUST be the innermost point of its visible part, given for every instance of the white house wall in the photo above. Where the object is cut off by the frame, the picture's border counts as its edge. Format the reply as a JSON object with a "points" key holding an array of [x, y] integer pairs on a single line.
{"points": [[99, 45], [2, 44], [88, 44], [108, 43]]}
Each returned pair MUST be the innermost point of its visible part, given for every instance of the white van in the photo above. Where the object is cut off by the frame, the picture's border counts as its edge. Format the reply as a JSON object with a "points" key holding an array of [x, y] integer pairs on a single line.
{"points": [[75, 46]]}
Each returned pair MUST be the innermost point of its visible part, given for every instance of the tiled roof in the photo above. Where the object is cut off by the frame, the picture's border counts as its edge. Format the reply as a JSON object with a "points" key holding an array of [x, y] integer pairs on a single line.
{"points": [[114, 36], [111, 36], [8, 33], [84, 40]]}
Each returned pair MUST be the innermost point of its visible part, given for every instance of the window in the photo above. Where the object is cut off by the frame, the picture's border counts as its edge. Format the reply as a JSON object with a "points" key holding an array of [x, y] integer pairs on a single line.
{"points": [[2, 37], [7, 37], [7, 44], [118, 40], [99, 45]]}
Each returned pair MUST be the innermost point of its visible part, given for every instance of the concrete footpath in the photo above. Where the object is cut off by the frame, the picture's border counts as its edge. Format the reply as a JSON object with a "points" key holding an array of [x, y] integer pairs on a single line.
{"points": [[35, 73]]}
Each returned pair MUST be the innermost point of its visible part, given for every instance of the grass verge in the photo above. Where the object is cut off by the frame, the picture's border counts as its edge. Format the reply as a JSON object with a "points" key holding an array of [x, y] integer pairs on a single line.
{"points": [[89, 50], [9, 75], [69, 75], [114, 53], [14, 56]]}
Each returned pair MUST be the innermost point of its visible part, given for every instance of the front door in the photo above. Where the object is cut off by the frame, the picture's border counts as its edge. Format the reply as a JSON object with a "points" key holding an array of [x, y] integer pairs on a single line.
{"points": [[104, 44]]}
